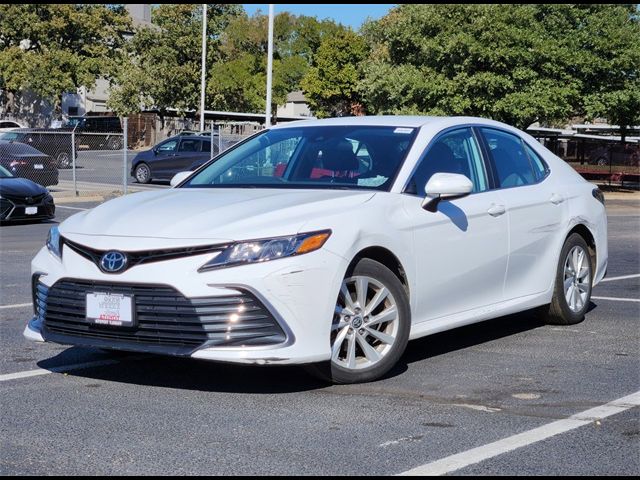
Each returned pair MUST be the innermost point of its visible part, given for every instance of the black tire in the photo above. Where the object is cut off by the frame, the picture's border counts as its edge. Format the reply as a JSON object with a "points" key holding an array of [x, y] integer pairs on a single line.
{"points": [[142, 173], [63, 160], [331, 372], [559, 312], [114, 143]]}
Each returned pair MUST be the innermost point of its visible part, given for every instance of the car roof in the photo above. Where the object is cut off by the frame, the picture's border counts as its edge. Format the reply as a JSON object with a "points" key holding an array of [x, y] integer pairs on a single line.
{"points": [[188, 137], [412, 121]]}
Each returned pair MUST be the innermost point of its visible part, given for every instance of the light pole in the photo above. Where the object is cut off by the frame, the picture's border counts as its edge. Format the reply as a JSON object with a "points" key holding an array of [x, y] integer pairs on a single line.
{"points": [[204, 61], [269, 67]]}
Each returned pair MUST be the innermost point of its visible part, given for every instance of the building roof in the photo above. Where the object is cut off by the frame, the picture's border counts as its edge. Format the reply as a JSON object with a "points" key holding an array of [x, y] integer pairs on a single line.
{"points": [[296, 97]]}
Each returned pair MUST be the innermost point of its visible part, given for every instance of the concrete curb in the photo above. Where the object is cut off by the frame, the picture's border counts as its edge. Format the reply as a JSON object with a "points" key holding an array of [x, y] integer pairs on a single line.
{"points": [[67, 199]]}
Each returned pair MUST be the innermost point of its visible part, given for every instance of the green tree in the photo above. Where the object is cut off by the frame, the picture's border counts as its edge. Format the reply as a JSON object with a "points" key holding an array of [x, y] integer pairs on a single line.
{"points": [[51, 49], [238, 81], [161, 65], [515, 63], [610, 46], [331, 86]]}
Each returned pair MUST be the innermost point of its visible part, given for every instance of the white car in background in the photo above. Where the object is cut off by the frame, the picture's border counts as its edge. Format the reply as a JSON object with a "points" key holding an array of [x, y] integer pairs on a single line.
{"points": [[328, 242], [8, 125]]}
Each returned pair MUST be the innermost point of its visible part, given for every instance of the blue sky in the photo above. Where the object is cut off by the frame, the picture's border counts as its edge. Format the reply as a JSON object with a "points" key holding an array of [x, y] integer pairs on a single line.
{"points": [[352, 15]]}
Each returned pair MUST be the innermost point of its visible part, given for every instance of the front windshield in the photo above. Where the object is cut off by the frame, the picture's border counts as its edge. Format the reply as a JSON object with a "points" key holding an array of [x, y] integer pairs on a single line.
{"points": [[4, 173], [344, 157]]}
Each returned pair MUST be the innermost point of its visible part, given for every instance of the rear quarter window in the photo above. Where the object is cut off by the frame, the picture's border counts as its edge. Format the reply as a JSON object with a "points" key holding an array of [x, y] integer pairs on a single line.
{"points": [[540, 168]]}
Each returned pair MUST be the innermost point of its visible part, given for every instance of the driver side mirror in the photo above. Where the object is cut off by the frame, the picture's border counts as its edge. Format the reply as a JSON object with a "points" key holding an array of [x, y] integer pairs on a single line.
{"points": [[445, 185], [179, 178]]}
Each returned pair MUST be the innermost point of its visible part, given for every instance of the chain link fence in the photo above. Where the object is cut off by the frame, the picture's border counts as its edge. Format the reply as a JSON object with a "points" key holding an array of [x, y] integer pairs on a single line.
{"points": [[76, 162]]}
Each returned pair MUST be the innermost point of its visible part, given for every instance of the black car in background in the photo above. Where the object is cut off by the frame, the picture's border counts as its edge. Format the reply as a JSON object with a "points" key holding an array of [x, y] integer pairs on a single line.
{"points": [[22, 199], [27, 162], [54, 142], [175, 154]]}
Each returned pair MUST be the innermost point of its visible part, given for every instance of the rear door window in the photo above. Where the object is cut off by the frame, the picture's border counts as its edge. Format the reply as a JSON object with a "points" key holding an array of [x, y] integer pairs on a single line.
{"points": [[190, 145], [511, 162]]}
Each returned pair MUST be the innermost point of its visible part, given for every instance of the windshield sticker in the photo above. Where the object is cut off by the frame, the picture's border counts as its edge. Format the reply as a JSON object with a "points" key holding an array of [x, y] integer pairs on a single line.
{"points": [[403, 130]]}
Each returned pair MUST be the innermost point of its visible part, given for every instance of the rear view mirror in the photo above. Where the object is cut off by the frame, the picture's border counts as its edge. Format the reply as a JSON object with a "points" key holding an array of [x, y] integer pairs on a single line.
{"points": [[445, 185]]}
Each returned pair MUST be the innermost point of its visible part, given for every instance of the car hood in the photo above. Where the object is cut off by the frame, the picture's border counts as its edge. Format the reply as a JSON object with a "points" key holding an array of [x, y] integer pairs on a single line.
{"points": [[20, 186], [214, 214]]}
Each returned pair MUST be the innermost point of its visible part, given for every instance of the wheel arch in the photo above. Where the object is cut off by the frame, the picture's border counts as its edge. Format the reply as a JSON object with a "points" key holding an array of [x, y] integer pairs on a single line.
{"points": [[387, 258], [582, 230]]}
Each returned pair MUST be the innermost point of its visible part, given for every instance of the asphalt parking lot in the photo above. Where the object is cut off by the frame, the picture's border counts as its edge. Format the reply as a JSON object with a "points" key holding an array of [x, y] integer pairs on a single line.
{"points": [[508, 397]]}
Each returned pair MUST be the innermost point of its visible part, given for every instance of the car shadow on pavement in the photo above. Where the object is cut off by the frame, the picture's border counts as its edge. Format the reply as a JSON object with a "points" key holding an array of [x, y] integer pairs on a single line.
{"points": [[200, 375], [469, 336], [194, 375]]}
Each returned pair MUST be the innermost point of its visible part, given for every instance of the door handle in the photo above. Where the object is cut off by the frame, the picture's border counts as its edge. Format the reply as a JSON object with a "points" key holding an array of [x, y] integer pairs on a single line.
{"points": [[556, 199], [496, 210]]}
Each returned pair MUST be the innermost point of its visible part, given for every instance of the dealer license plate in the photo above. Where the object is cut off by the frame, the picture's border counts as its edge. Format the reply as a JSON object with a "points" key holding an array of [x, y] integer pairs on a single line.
{"points": [[112, 309]]}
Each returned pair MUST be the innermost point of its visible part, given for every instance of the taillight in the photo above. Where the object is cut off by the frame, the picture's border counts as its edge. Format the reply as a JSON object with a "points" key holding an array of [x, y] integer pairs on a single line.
{"points": [[598, 195]]}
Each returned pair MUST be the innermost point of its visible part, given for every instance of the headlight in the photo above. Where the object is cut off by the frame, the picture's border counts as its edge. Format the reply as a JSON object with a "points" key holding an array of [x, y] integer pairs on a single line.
{"points": [[256, 251], [54, 243]]}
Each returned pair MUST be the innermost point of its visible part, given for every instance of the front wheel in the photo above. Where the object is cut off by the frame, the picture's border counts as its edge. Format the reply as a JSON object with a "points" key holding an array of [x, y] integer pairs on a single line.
{"points": [[573, 284], [370, 327], [142, 173]]}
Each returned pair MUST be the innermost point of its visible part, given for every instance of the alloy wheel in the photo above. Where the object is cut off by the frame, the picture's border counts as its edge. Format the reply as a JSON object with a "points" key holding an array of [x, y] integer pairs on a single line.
{"points": [[64, 160], [142, 173], [577, 278], [365, 325]]}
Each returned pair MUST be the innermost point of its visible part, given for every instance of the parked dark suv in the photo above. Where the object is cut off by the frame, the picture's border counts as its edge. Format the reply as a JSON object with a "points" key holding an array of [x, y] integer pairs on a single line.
{"points": [[176, 154]]}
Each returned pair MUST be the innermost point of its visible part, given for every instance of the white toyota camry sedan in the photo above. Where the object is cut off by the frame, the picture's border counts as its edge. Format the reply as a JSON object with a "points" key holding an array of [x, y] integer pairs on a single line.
{"points": [[330, 243]]}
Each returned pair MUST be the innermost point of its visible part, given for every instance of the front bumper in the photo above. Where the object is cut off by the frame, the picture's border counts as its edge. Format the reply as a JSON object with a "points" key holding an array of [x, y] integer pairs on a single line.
{"points": [[298, 292], [14, 209]]}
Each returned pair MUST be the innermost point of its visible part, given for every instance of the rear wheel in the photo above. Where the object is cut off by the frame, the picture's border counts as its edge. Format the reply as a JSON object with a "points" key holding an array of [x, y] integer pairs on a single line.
{"points": [[573, 283], [63, 160], [142, 173], [114, 143], [370, 327]]}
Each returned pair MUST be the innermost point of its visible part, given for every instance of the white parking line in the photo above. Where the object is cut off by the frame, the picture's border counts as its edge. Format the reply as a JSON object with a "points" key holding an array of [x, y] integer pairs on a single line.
{"points": [[615, 299], [485, 452], [71, 208], [624, 277], [63, 368], [16, 305]]}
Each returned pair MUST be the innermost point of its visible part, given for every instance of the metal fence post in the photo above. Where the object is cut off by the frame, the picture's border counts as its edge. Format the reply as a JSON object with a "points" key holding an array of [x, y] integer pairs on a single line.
{"points": [[212, 127], [219, 139], [125, 138], [73, 159]]}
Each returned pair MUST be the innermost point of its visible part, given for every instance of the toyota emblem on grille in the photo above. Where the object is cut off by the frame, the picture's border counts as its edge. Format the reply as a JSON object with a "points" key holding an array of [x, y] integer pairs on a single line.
{"points": [[113, 262]]}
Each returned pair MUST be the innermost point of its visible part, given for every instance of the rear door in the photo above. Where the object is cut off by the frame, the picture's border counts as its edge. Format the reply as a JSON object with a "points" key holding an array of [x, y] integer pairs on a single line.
{"points": [[536, 208]]}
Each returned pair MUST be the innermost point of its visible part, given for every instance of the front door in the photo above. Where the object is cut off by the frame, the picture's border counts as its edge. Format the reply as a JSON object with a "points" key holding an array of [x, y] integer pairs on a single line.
{"points": [[461, 250]]}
